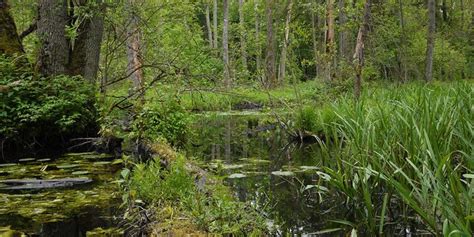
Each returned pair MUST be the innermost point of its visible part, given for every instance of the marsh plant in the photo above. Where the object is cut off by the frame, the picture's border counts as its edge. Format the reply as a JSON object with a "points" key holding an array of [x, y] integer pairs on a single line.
{"points": [[403, 157]]}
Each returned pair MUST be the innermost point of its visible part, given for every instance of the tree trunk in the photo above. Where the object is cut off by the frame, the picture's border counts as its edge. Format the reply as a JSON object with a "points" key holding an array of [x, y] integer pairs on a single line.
{"points": [[208, 26], [10, 43], [403, 66], [330, 45], [54, 50], [258, 54], [286, 42], [243, 47], [359, 50], [86, 52], [270, 74], [430, 40], [214, 18], [225, 45], [314, 32], [342, 31], [134, 54]]}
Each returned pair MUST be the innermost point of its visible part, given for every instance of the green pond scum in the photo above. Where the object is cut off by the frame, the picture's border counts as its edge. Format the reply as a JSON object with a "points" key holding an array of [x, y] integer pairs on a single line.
{"points": [[66, 211]]}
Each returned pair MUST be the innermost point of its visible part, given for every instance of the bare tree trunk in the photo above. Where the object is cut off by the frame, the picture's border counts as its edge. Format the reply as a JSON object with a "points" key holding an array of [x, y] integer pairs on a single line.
{"points": [[208, 26], [330, 44], [214, 18], [243, 47], [54, 50], [403, 66], [286, 42], [257, 39], [134, 54], [314, 32], [270, 74], [225, 45], [342, 32], [85, 55], [359, 50], [10, 43], [430, 40]]}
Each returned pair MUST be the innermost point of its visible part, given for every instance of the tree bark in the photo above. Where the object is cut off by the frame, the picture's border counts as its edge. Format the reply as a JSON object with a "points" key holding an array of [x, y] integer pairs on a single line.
{"points": [[359, 50], [54, 50], [403, 66], [86, 52], [214, 18], [430, 40], [314, 32], [134, 54], [286, 42], [208, 26], [243, 47], [330, 44], [10, 43], [270, 74], [258, 54], [342, 32], [225, 45]]}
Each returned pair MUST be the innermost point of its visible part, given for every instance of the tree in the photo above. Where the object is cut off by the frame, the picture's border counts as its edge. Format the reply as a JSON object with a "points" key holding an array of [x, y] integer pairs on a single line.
{"points": [[10, 43], [243, 47], [208, 26], [286, 42], [54, 52], [257, 38], [70, 38], [134, 54], [330, 44], [214, 18], [225, 45], [430, 40], [359, 50], [270, 74]]}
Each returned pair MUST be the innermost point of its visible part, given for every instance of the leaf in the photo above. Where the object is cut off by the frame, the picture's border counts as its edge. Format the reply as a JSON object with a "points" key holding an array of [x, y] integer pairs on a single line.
{"points": [[236, 176], [124, 173]]}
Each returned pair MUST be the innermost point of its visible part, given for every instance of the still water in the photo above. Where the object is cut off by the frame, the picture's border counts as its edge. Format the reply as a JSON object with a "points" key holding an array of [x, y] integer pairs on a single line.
{"points": [[89, 208]]}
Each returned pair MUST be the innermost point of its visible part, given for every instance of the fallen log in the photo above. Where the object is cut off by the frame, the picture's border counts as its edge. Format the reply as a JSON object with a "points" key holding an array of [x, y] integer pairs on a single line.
{"points": [[24, 184]]}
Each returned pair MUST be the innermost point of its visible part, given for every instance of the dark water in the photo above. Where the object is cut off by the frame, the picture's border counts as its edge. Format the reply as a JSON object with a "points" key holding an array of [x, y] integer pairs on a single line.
{"points": [[286, 182], [281, 180], [81, 210]]}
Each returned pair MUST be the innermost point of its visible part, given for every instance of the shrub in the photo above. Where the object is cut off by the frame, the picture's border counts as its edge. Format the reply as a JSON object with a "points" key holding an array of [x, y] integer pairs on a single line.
{"points": [[32, 108]]}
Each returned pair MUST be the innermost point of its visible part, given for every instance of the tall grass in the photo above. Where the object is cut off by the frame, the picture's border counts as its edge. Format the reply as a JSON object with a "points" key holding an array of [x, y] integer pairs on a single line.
{"points": [[405, 155]]}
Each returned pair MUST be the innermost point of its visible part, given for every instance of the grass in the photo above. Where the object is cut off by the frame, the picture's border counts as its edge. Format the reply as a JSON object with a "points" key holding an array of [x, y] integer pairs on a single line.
{"points": [[180, 205], [404, 152]]}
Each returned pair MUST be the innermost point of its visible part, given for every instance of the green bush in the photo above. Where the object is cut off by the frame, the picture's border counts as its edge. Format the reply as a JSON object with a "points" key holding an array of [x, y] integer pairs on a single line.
{"points": [[166, 121], [34, 107]]}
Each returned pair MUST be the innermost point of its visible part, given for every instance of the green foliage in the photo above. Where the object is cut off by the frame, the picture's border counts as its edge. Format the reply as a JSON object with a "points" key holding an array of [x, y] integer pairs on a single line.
{"points": [[213, 211], [413, 143], [32, 107], [167, 120]]}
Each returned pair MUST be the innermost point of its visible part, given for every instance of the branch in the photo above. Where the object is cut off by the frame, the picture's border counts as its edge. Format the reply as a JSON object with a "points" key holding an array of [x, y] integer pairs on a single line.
{"points": [[29, 30]]}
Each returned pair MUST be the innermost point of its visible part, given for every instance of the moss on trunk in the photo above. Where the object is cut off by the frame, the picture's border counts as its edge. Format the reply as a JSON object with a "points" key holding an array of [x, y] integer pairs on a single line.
{"points": [[10, 43]]}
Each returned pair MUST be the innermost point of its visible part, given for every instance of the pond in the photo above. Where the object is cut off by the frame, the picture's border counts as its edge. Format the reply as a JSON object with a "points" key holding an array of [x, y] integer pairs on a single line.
{"points": [[284, 181], [66, 208], [279, 178]]}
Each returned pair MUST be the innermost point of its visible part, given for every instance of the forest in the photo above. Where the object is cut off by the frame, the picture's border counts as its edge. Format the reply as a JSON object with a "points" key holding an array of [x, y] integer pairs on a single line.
{"points": [[237, 118]]}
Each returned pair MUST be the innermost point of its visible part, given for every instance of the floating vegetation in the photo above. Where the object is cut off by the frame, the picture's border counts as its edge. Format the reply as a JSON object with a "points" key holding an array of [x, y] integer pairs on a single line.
{"points": [[25, 211]]}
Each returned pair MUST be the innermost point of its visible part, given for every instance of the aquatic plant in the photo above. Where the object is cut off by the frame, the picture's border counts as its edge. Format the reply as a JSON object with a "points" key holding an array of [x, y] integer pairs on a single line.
{"points": [[405, 152]]}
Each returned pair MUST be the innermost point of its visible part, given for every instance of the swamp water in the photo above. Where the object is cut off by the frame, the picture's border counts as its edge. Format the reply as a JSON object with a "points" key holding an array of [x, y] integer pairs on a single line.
{"points": [[284, 181], [84, 209], [279, 179]]}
